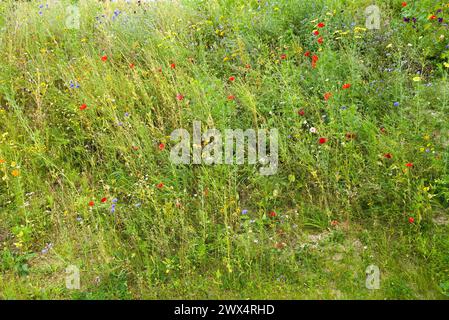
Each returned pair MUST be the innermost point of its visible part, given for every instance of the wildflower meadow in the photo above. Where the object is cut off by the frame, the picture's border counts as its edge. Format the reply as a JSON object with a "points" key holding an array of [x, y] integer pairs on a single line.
{"points": [[224, 149]]}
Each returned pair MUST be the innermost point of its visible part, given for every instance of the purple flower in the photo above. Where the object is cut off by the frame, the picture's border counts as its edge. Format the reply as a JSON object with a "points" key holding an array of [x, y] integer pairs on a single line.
{"points": [[47, 248], [396, 104], [244, 211]]}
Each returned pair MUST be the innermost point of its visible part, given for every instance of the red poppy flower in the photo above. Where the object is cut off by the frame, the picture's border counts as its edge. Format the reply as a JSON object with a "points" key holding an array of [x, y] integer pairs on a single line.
{"points": [[411, 220], [104, 58], [307, 54], [83, 107], [321, 25], [322, 140], [383, 130], [316, 32], [388, 155], [173, 66], [346, 86], [131, 65], [433, 17], [409, 165], [320, 40], [334, 223], [272, 214], [91, 203], [160, 185], [232, 78], [180, 97], [231, 97], [301, 112], [327, 96], [404, 4], [103, 200], [283, 56], [161, 146], [248, 66]]}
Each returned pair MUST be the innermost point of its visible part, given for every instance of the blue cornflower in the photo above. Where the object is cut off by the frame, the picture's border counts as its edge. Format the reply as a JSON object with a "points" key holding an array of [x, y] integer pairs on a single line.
{"points": [[396, 104]]}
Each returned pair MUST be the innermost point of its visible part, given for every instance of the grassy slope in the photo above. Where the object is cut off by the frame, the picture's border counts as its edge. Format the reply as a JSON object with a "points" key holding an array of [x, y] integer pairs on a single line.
{"points": [[189, 238]]}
